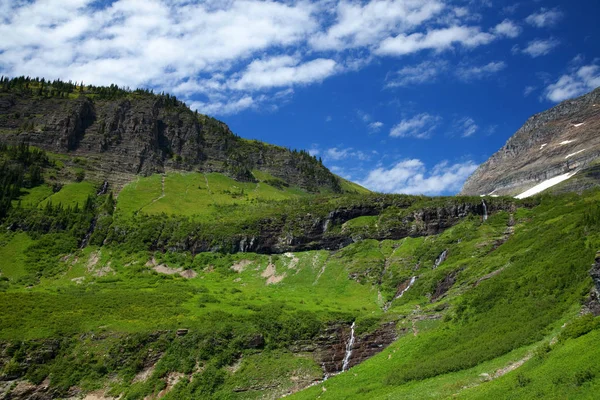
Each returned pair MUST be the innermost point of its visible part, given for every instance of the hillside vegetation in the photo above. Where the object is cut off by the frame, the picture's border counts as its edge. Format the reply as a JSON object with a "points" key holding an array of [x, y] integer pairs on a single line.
{"points": [[193, 285]]}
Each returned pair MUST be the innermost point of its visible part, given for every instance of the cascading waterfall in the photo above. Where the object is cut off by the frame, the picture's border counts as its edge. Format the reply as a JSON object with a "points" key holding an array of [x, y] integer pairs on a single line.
{"points": [[440, 259], [485, 213], [349, 348], [412, 280], [88, 234], [103, 189]]}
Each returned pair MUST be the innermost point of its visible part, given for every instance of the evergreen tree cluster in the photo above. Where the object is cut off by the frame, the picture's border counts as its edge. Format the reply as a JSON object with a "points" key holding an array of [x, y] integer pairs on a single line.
{"points": [[20, 167], [57, 88]]}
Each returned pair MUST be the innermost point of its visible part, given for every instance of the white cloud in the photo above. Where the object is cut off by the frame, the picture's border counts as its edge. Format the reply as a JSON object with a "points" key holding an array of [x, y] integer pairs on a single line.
{"points": [[375, 126], [225, 56], [225, 107], [507, 28], [528, 90], [425, 72], [283, 71], [412, 177], [437, 39], [365, 24], [468, 73], [466, 126], [545, 18], [538, 47], [337, 154], [579, 81], [420, 126]]}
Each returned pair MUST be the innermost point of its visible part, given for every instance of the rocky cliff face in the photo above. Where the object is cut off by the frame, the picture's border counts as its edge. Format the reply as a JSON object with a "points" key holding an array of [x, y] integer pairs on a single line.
{"points": [[594, 302], [278, 234], [145, 134], [564, 139], [331, 344]]}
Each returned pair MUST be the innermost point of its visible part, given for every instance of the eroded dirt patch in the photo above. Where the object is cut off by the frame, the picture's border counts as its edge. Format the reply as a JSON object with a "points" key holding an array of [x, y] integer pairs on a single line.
{"points": [[240, 266], [271, 274], [165, 269]]}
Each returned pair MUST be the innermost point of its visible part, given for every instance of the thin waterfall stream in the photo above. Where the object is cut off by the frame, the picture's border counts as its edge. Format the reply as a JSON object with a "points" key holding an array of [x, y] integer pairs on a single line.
{"points": [[410, 283], [485, 212], [349, 348]]}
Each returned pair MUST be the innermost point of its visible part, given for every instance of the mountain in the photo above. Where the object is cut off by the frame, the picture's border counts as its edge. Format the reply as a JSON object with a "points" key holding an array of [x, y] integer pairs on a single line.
{"points": [[555, 144], [122, 133], [222, 278]]}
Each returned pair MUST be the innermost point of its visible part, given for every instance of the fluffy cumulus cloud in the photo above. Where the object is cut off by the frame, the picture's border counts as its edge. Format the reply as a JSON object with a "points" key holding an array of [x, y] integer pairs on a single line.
{"points": [[436, 39], [538, 47], [412, 177], [508, 28], [420, 126], [364, 24], [545, 17], [283, 71], [580, 80], [224, 57]]}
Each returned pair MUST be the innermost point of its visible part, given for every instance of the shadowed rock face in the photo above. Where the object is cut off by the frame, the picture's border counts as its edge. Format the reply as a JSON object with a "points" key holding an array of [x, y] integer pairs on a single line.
{"points": [[276, 235], [143, 134], [594, 302], [563, 139]]}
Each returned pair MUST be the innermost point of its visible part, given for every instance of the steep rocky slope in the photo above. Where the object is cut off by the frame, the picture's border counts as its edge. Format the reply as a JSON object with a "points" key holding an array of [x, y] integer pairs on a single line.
{"points": [[559, 141], [124, 133]]}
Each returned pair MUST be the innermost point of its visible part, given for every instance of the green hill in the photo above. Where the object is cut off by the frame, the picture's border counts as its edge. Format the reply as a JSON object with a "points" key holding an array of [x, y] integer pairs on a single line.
{"points": [[192, 284]]}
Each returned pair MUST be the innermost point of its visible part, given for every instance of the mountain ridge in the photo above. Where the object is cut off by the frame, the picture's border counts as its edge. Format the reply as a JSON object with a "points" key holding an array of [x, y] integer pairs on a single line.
{"points": [[124, 132], [554, 142]]}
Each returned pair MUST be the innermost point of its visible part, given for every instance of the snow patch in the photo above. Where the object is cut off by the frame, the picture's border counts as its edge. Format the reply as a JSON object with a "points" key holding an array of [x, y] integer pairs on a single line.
{"points": [[545, 185], [566, 142], [544, 145], [572, 154], [578, 125]]}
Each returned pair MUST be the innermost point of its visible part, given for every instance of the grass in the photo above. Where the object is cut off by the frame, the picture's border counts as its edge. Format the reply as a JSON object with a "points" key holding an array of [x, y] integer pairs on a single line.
{"points": [[71, 194], [196, 194], [507, 296], [12, 253], [34, 196]]}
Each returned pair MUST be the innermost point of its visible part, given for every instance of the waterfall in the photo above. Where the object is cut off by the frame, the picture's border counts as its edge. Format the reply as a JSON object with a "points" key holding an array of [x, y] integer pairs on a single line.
{"points": [[410, 283], [88, 234], [440, 259], [349, 348], [103, 189], [485, 214]]}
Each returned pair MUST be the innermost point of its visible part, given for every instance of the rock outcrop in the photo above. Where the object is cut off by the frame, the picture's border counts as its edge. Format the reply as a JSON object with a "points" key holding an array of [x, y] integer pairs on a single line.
{"points": [[278, 234], [562, 140], [330, 345], [593, 304]]}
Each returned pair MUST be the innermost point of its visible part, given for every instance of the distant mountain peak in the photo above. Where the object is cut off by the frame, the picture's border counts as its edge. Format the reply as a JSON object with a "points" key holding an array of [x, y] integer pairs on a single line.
{"points": [[562, 141]]}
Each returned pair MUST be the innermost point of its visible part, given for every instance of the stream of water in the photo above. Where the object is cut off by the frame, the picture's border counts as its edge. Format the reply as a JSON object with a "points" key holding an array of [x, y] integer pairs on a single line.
{"points": [[349, 348], [485, 214]]}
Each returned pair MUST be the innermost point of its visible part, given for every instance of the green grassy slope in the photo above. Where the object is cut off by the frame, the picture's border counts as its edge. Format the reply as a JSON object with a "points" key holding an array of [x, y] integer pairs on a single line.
{"points": [[196, 194], [537, 282], [498, 318]]}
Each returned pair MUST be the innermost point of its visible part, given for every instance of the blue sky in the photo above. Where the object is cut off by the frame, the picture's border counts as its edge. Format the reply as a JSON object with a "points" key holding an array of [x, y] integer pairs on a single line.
{"points": [[399, 95]]}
